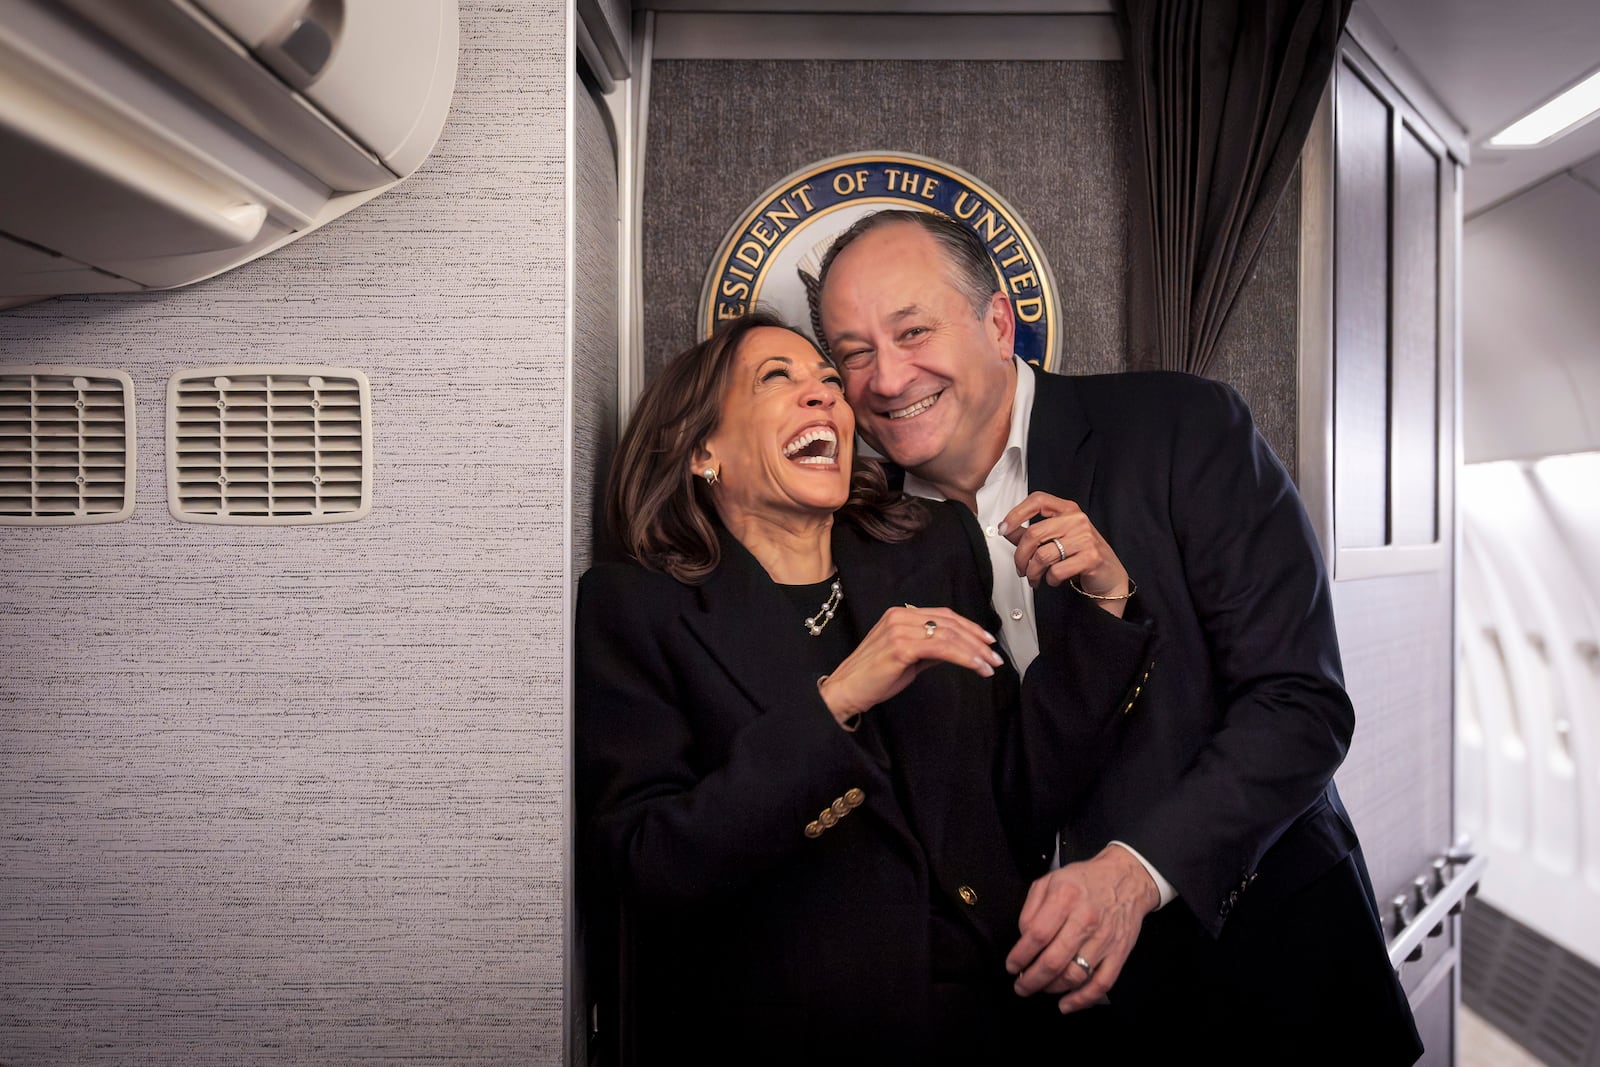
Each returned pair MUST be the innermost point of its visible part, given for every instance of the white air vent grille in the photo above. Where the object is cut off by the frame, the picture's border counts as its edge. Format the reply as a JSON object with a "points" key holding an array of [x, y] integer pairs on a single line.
{"points": [[269, 445], [66, 446]]}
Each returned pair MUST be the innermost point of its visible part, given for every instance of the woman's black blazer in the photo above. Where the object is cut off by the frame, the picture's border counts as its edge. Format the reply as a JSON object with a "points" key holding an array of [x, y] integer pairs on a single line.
{"points": [[704, 752]]}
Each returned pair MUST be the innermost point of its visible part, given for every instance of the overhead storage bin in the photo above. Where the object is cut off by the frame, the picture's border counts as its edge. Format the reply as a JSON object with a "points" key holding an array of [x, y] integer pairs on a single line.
{"points": [[158, 143]]}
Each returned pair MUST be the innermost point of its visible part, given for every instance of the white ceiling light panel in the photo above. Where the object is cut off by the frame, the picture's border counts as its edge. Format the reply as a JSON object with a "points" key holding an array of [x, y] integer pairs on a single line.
{"points": [[1549, 121]]}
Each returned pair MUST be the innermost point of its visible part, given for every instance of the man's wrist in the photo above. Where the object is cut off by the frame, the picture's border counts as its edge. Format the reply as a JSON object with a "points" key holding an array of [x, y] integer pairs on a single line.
{"points": [[1165, 891]]}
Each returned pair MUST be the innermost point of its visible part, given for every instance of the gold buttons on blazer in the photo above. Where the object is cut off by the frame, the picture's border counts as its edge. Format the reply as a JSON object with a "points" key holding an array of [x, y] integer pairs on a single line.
{"points": [[829, 816], [968, 895], [1138, 688]]}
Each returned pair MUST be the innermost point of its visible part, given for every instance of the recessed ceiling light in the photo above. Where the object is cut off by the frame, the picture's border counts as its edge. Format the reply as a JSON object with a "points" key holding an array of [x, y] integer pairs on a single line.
{"points": [[1576, 105]]}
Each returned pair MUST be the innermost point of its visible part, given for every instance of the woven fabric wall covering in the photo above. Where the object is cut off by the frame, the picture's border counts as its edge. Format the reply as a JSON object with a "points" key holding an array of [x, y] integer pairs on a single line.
{"points": [[269, 445], [67, 446]]}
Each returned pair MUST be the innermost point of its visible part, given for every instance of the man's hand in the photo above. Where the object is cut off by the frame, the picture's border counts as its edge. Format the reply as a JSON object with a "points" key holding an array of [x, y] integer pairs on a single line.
{"points": [[1060, 543], [1089, 911]]}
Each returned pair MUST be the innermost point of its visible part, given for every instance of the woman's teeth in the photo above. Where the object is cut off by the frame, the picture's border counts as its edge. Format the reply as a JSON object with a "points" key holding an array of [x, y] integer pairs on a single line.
{"points": [[823, 445]]}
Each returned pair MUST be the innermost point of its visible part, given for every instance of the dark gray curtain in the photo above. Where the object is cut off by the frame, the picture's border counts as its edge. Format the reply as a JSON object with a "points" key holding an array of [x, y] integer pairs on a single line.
{"points": [[1222, 93]]}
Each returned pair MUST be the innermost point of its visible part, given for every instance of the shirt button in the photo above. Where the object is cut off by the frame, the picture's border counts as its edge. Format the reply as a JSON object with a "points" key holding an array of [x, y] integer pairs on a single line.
{"points": [[1016, 614], [991, 531]]}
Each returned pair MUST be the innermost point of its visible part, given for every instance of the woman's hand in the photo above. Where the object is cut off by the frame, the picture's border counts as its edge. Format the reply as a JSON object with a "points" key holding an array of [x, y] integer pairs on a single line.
{"points": [[904, 643], [1062, 544]]}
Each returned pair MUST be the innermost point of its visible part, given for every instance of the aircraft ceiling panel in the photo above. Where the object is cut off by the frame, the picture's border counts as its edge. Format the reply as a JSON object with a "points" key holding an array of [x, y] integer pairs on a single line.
{"points": [[1530, 324], [1490, 62]]}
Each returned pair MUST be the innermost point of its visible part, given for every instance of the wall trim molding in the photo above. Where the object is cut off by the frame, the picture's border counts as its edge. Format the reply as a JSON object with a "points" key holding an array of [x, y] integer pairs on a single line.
{"points": [[713, 36], [896, 7], [1314, 439]]}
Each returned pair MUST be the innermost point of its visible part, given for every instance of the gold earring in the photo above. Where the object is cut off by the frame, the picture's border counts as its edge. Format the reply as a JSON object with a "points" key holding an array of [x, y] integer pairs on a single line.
{"points": [[710, 475]]}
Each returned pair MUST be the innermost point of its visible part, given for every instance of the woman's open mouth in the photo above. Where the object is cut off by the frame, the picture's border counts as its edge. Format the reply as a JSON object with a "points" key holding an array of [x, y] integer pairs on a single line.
{"points": [[813, 446]]}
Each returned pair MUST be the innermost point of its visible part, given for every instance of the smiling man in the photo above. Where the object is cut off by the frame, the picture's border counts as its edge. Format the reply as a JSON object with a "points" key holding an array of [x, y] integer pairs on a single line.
{"points": [[1212, 885]]}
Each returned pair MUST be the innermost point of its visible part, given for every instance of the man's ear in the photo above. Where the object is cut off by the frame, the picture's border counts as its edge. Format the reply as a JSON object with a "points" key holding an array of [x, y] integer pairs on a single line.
{"points": [[1001, 323]]}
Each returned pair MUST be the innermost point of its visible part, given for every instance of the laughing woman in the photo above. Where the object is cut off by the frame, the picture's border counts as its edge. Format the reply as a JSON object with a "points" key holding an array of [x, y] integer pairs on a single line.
{"points": [[810, 810]]}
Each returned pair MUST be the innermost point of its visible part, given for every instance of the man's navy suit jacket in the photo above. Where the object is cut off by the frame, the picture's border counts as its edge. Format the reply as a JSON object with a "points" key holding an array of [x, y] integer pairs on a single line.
{"points": [[1222, 777]]}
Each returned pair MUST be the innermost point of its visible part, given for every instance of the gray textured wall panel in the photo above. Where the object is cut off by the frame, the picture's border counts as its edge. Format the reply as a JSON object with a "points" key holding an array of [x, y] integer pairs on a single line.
{"points": [[1258, 350], [594, 358], [1394, 637], [594, 379], [299, 795]]}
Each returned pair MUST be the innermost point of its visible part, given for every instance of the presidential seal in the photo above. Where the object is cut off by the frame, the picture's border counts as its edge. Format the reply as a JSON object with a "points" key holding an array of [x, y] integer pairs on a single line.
{"points": [[773, 253]]}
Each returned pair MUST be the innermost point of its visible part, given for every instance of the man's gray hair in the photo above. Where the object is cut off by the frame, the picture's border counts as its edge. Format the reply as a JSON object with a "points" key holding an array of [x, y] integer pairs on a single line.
{"points": [[971, 269]]}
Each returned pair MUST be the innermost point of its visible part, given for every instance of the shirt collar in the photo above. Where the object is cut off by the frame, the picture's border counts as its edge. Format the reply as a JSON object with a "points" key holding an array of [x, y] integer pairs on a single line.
{"points": [[1021, 408], [1016, 441]]}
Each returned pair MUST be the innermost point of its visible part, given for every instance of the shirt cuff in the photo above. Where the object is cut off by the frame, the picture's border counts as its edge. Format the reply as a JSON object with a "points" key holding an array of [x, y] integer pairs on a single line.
{"points": [[1168, 891]]}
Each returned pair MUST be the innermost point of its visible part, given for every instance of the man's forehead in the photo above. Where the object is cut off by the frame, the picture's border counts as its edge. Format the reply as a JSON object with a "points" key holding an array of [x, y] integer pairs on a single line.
{"points": [[882, 261], [895, 315], [889, 239]]}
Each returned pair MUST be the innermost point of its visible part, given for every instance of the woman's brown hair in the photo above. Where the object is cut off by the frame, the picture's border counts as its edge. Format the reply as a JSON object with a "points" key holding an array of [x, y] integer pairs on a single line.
{"points": [[662, 514]]}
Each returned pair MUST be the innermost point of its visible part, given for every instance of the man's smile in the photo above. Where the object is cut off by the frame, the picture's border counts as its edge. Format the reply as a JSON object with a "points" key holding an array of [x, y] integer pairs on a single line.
{"points": [[916, 409]]}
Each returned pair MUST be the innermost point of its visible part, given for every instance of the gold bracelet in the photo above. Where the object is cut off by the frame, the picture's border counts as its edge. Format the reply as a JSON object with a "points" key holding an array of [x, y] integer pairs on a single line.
{"points": [[849, 725], [1132, 589]]}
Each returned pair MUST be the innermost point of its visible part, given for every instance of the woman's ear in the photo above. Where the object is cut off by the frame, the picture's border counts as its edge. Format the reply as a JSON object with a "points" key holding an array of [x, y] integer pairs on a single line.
{"points": [[701, 461]]}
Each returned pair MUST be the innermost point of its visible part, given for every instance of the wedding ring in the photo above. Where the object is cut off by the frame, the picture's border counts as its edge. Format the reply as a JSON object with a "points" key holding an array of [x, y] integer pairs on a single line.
{"points": [[1088, 968], [1057, 542], [928, 628]]}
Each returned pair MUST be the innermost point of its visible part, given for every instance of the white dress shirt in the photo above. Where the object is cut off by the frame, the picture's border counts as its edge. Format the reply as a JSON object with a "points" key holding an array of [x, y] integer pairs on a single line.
{"points": [[1003, 490]]}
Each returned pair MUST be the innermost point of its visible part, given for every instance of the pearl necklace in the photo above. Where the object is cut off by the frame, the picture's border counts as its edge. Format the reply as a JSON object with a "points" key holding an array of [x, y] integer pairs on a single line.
{"points": [[824, 615]]}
